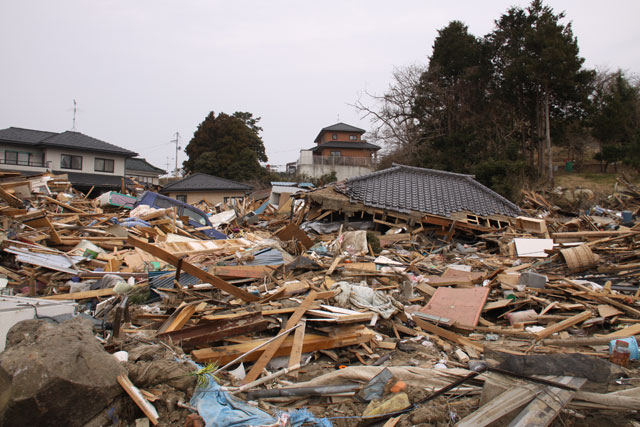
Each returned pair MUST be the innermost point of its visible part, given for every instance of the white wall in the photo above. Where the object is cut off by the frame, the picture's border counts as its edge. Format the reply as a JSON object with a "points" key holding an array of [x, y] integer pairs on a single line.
{"points": [[36, 156], [342, 172], [88, 161]]}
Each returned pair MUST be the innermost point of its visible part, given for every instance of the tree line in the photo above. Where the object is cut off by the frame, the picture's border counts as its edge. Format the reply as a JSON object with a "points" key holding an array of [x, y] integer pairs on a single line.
{"points": [[495, 105]]}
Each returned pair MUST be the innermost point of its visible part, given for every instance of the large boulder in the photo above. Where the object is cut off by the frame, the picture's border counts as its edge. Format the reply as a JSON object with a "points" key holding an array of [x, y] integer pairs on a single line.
{"points": [[60, 374]]}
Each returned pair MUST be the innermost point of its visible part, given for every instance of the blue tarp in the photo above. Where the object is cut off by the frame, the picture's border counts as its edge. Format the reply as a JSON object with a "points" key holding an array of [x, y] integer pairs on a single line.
{"points": [[220, 409]]}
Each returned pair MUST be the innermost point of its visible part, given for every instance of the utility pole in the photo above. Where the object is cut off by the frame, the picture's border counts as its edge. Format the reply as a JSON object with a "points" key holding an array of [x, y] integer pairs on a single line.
{"points": [[177, 140]]}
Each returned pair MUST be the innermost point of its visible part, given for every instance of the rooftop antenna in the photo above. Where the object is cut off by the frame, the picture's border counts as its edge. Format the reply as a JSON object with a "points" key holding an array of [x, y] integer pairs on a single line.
{"points": [[168, 163], [177, 140], [338, 117], [75, 109]]}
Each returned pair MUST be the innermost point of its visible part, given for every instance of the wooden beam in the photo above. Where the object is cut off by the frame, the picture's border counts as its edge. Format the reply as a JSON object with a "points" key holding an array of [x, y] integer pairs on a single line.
{"points": [[62, 205], [135, 394], [296, 349], [10, 198], [451, 336], [567, 323], [88, 294], [270, 350], [192, 269], [341, 338]]}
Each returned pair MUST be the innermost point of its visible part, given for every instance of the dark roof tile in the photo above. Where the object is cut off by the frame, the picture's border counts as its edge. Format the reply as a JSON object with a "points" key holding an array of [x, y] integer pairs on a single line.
{"points": [[204, 182], [339, 127], [81, 141], [66, 139], [404, 189], [136, 164]]}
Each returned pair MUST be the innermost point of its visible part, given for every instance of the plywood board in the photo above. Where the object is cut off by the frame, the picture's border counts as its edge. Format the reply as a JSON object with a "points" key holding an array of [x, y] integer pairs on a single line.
{"points": [[534, 248], [463, 306]]}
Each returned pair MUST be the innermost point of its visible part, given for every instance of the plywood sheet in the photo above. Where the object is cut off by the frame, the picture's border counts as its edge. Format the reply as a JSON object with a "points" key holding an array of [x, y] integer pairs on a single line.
{"points": [[533, 247], [463, 306]]}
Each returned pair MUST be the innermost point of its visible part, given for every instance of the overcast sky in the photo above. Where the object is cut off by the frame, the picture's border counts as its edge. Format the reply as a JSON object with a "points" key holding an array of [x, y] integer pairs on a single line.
{"points": [[142, 70]]}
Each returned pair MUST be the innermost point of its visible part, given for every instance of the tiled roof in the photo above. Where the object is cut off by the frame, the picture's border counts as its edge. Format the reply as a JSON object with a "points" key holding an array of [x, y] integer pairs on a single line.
{"points": [[136, 164], [81, 141], [25, 136], [339, 127], [204, 182], [66, 139], [404, 189], [345, 144]]}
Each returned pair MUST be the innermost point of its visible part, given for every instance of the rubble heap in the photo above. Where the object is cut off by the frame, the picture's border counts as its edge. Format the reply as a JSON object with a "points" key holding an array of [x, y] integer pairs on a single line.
{"points": [[324, 310]]}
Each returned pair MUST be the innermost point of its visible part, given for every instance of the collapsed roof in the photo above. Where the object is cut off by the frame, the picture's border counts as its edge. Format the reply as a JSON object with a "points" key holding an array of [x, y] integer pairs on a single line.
{"points": [[405, 189]]}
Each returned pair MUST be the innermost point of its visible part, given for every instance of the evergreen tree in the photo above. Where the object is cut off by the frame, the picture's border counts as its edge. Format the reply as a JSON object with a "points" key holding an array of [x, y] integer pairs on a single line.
{"points": [[227, 146]]}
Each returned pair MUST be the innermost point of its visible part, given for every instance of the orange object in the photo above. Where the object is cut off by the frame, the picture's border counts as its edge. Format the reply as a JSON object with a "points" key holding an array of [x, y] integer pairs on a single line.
{"points": [[398, 387]]}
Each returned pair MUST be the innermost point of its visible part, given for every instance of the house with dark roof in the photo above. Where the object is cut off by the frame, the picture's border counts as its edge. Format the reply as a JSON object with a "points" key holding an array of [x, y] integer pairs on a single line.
{"points": [[414, 195], [200, 186], [87, 161], [340, 149], [142, 171]]}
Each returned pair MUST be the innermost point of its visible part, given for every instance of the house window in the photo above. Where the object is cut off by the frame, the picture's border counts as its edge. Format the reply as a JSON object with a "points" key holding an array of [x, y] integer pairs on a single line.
{"points": [[353, 137], [67, 161], [11, 157], [181, 198], [334, 136], [103, 165], [17, 158], [336, 153]]}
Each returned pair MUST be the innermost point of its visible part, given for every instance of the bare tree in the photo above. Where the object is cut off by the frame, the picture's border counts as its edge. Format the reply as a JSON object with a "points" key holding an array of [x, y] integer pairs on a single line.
{"points": [[392, 117]]}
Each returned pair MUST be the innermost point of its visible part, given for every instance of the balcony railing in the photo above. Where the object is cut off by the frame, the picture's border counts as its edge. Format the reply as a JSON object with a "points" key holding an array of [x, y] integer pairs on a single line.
{"points": [[24, 163], [342, 161]]}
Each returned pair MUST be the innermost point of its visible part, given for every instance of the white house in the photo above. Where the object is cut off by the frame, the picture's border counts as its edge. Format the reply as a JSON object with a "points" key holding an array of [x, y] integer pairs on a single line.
{"points": [[87, 161]]}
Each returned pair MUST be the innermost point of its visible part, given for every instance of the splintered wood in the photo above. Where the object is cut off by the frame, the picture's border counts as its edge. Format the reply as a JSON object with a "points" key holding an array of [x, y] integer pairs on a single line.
{"points": [[414, 289]]}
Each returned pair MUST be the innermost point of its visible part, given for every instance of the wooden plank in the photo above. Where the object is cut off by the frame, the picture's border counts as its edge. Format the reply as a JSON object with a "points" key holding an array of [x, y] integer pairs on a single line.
{"points": [[62, 205], [605, 310], [243, 271], [87, 294], [179, 318], [451, 336], [135, 394], [208, 332], [542, 410], [501, 405], [561, 326], [193, 270], [629, 331], [292, 231], [10, 198], [272, 348], [296, 349], [341, 338]]}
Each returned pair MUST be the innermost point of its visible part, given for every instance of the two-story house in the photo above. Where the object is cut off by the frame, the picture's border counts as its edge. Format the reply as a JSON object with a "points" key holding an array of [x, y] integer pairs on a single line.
{"points": [[340, 149], [87, 161]]}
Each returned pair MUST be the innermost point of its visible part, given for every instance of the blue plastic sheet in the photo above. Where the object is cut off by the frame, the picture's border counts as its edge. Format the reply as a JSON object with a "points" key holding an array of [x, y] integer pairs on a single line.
{"points": [[220, 409]]}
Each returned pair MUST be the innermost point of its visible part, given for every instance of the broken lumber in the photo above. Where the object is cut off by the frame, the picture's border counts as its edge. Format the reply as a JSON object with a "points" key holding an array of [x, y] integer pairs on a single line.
{"points": [[561, 326], [192, 269], [268, 352], [312, 342]]}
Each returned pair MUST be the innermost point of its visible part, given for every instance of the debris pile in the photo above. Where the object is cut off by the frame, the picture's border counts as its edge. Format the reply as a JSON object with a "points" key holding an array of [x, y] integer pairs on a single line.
{"points": [[334, 308]]}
